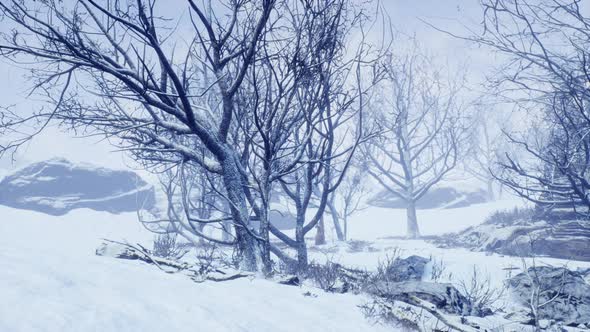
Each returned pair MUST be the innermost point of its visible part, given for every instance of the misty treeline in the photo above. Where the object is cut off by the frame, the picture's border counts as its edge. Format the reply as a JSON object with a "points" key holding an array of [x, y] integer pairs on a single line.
{"points": [[546, 74], [239, 104]]}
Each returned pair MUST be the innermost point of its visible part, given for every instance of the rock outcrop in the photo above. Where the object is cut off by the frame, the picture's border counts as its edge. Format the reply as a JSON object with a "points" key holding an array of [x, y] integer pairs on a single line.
{"points": [[564, 294], [558, 235], [58, 186]]}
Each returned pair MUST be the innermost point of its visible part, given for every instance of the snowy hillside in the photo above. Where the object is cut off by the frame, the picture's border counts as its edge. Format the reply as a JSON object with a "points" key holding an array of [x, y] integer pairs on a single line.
{"points": [[68, 288], [51, 280]]}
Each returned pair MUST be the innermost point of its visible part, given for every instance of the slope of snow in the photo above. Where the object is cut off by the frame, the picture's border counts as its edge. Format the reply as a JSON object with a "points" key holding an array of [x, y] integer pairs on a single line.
{"points": [[374, 222], [51, 280]]}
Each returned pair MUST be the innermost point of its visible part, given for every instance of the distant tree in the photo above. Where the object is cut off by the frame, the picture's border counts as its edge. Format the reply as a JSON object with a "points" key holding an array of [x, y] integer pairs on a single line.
{"points": [[420, 130], [347, 200], [486, 146], [343, 203]]}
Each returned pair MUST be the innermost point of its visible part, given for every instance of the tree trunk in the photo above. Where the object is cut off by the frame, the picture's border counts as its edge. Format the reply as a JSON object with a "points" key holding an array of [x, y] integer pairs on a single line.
{"points": [[265, 244], [490, 188], [247, 245], [320, 236], [337, 227], [345, 237], [301, 247], [226, 234], [413, 231]]}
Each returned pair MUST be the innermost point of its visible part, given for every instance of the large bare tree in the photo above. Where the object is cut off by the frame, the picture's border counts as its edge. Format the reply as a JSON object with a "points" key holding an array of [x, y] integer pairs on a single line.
{"points": [[115, 69], [248, 95], [418, 116]]}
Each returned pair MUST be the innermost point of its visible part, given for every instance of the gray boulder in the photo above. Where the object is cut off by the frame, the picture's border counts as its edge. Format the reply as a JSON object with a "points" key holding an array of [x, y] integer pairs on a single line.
{"points": [[407, 269], [566, 292], [58, 186]]}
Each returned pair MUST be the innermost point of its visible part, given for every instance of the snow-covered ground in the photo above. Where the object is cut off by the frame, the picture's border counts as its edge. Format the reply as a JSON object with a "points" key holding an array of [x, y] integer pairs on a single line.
{"points": [[373, 222], [384, 230], [51, 279]]}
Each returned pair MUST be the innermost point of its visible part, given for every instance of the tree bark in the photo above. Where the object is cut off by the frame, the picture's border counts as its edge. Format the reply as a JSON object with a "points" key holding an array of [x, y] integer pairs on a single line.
{"points": [[413, 232], [246, 242], [345, 237], [301, 246], [320, 236], [335, 219]]}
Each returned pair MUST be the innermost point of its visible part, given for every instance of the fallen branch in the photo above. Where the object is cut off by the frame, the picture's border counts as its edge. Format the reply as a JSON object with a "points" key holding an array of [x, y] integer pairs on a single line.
{"points": [[125, 250], [138, 252], [431, 309]]}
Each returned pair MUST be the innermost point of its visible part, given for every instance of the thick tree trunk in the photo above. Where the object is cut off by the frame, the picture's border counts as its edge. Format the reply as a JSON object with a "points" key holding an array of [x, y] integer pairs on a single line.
{"points": [[265, 244], [413, 231], [247, 245], [335, 219], [301, 247], [320, 236], [226, 234]]}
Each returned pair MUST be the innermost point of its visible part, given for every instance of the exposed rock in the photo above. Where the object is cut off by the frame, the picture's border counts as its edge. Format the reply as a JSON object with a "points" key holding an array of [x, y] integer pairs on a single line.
{"points": [[407, 269], [58, 186], [566, 292], [555, 236], [544, 323], [444, 296], [289, 280], [441, 197]]}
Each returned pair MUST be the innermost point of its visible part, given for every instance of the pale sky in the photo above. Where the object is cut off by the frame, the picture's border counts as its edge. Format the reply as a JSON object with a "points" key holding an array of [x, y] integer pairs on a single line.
{"points": [[406, 16]]}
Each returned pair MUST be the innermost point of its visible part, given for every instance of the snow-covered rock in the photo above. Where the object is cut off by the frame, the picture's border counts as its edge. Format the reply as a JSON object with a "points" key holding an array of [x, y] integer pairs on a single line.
{"points": [[556, 235], [446, 197], [564, 294], [407, 269], [58, 186]]}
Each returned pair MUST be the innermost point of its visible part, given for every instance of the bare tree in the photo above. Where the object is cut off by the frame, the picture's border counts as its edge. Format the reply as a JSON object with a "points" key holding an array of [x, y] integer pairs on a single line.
{"points": [[420, 130], [339, 95], [486, 147], [114, 70], [347, 200], [192, 202], [254, 96]]}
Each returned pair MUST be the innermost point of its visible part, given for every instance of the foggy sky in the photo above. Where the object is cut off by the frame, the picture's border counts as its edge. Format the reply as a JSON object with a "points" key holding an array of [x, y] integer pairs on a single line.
{"points": [[405, 15]]}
